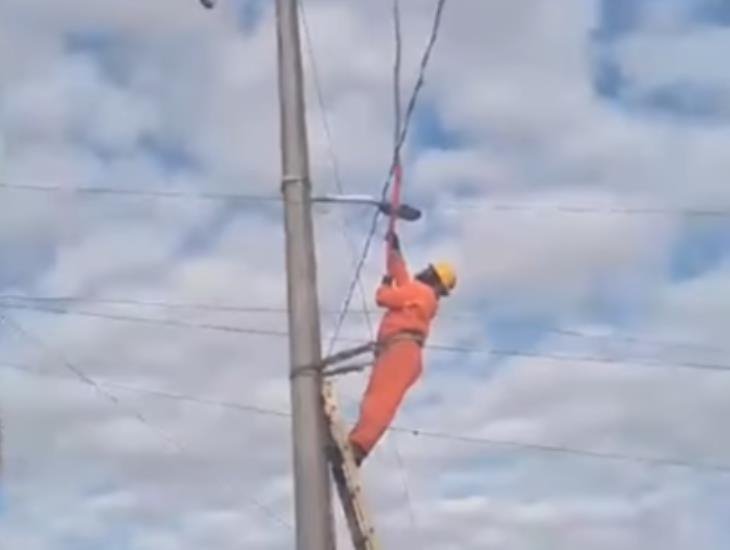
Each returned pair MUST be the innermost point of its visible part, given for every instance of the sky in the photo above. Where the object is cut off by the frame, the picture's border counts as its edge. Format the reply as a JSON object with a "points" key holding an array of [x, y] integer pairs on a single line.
{"points": [[571, 163]]}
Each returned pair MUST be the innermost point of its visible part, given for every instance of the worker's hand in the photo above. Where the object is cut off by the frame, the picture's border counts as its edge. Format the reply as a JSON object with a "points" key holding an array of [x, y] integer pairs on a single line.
{"points": [[392, 239], [387, 280]]}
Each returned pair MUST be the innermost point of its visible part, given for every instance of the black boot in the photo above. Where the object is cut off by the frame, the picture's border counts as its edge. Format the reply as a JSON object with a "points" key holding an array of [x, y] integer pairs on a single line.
{"points": [[358, 454]]}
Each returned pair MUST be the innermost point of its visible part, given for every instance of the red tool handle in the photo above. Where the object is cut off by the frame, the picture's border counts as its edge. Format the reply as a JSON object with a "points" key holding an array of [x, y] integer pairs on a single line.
{"points": [[395, 203]]}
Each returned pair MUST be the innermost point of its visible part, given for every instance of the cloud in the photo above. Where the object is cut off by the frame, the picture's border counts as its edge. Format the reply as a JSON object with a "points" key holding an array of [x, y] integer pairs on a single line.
{"points": [[166, 96]]}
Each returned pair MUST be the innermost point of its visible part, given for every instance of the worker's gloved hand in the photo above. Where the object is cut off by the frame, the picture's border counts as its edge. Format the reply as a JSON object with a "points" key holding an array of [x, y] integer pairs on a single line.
{"points": [[392, 239], [387, 280]]}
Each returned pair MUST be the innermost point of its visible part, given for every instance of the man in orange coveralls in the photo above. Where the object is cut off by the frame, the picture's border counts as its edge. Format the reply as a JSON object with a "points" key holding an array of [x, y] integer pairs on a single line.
{"points": [[411, 306]]}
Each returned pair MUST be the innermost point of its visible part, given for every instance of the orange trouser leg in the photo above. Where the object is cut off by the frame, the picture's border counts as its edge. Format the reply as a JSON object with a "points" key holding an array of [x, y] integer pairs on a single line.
{"points": [[396, 370]]}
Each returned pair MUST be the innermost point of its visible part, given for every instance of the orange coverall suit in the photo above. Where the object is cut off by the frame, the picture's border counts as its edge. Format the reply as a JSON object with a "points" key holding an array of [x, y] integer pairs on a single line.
{"points": [[411, 305]]}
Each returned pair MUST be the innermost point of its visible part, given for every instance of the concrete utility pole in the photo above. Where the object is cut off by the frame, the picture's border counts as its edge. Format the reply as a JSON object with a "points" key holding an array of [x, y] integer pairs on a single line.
{"points": [[314, 519]]}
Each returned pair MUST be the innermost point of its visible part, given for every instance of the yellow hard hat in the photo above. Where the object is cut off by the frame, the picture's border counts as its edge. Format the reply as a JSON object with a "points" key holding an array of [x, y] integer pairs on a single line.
{"points": [[446, 274]]}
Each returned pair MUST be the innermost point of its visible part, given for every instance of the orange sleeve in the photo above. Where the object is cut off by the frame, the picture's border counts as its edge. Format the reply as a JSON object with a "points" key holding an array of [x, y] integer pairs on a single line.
{"points": [[397, 268], [391, 297]]}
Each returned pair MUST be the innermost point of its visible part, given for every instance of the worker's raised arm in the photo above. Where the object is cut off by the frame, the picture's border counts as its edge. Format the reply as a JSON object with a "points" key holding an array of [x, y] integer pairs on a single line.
{"points": [[396, 264], [391, 297]]}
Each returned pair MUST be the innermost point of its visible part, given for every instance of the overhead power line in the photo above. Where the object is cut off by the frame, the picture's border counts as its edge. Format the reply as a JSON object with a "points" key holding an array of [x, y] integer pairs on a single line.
{"points": [[479, 203], [436, 347], [341, 189], [81, 376], [412, 102], [397, 107], [452, 314], [159, 393], [138, 192], [149, 321], [335, 164], [190, 306], [280, 310], [396, 135], [570, 451], [578, 209], [420, 81], [326, 128], [543, 448], [566, 358]]}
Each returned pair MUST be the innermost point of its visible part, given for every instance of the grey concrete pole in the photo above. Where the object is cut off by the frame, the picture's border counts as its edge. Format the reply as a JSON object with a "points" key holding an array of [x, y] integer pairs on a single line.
{"points": [[314, 518]]}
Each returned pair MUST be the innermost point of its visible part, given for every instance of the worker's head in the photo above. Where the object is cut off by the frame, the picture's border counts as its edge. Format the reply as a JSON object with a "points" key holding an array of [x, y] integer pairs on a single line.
{"points": [[440, 276]]}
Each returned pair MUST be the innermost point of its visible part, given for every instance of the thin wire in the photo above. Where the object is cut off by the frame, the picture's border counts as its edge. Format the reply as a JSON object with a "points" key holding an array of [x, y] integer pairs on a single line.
{"points": [[396, 155], [630, 339], [340, 188], [588, 209], [160, 393], [429, 434], [147, 193], [146, 320], [334, 162], [436, 348], [412, 102], [565, 450], [406, 482], [143, 303], [397, 116], [692, 365], [194, 306], [81, 376], [685, 211]]}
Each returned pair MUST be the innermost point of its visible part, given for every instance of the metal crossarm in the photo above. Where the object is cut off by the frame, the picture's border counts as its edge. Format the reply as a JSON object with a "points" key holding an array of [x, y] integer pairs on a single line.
{"points": [[347, 369], [333, 359], [344, 355]]}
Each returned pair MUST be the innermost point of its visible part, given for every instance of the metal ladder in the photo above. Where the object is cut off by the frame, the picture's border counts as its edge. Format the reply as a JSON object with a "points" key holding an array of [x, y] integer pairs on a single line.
{"points": [[347, 475], [345, 472]]}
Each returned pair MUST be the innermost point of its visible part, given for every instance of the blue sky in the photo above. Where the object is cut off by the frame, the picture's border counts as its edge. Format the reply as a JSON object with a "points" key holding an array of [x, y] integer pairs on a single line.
{"points": [[681, 96], [610, 106], [702, 245]]}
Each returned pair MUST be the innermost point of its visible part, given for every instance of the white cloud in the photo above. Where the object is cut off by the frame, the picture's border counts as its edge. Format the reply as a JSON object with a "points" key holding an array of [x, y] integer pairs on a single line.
{"points": [[655, 60], [513, 83]]}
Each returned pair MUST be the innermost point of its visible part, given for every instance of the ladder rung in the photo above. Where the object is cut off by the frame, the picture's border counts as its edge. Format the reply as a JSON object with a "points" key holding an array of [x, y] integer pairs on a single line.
{"points": [[346, 476]]}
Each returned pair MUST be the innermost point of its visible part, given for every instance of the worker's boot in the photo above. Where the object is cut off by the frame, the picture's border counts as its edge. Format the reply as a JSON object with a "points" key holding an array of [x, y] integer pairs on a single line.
{"points": [[358, 454]]}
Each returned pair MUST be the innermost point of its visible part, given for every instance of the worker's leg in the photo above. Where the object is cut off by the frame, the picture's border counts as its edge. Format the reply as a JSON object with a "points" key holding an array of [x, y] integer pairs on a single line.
{"points": [[396, 370]]}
